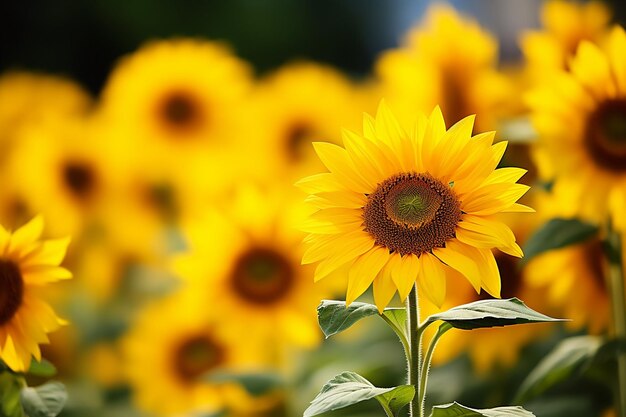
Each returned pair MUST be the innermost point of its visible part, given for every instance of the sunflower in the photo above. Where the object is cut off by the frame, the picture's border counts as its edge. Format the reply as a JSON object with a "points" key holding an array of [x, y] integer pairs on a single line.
{"points": [[565, 25], [174, 344], [290, 116], [27, 264], [175, 96], [73, 176], [449, 61], [254, 271], [582, 134], [411, 207]]}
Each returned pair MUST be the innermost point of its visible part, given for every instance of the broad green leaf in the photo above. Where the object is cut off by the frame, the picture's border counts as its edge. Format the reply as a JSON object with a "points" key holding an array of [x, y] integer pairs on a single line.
{"points": [[334, 317], [490, 313], [457, 410], [10, 387], [257, 383], [568, 358], [43, 368], [44, 401], [396, 318], [396, 399], [350, 388], [558, 233]]}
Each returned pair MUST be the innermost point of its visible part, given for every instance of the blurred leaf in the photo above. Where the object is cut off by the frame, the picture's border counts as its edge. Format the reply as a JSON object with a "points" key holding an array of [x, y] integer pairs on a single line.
{"points": [[490, 313], [43, 368], [334, 317], [565, 360], [396, 399], [564, 406], [558, 233], [256, 384], [44, 401], [10, 388], [457, 410], [350, 388]]}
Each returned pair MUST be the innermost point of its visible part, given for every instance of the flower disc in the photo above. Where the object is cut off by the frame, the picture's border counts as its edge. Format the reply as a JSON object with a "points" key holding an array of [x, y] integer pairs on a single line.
{"points": [[605, 137]]}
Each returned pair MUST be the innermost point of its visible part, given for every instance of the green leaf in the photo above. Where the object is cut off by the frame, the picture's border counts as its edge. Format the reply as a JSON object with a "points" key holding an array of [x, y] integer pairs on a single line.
{"points": [[43, 368], [568, 358], [334, 317], [10, 387], [558, 233], [457, 410], [396, 318], [396, 399], [490, 313], [350, 388], [257, 383], [44, 401]]}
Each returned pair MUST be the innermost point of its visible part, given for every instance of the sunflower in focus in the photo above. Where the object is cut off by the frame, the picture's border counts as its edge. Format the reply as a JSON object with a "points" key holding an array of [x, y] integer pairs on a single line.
{"points": [[581, 121], [405, 208], [180, 95], [253, 269], [565, 25], [27, 264], [291, 116], [173, 346], [448, 61]]}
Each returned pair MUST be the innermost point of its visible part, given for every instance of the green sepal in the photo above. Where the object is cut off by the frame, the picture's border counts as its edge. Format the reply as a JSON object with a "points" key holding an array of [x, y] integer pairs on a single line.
{"points": [[349, 388]]}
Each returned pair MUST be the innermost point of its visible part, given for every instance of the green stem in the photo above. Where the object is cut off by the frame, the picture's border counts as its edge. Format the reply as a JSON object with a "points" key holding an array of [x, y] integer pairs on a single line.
{"points": [[414, 359], [618, 295], [426, 364]]}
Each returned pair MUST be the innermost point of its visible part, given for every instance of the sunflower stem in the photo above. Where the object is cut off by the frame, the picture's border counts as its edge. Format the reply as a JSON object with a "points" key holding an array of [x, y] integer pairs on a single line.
{"points": [[414, 359], [618, 295], [426, 364]]}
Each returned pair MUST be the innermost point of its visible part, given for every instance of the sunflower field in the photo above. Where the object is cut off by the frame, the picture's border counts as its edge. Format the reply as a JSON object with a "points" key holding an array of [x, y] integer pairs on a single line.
{"points": [[294, 208]]}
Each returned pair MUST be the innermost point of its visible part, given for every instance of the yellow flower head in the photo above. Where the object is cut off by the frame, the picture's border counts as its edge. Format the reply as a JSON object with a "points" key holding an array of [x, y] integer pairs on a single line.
{"points": [[245, 259], [175, 96], [581, 121], [404, 207], [448, 61], [565, 25], [173, 346], [27, 264]]}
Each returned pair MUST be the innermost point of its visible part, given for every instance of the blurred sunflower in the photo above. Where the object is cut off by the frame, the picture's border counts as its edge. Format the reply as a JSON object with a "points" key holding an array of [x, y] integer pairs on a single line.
{"points": [[405, 208], [580, 118], [255, 272], [448, 61], [175, 96], [27, 264], [565, 25], [72, 176], [291, 116], [173, 346]]}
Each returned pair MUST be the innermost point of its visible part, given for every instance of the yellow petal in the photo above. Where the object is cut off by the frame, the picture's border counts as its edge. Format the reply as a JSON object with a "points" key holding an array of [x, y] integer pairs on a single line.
{"points": [[405, 271], [384, 289], [364, 270], [432, 279], [342, 257], [336, 159], [463, 258], [490, 273], [26, 235]]}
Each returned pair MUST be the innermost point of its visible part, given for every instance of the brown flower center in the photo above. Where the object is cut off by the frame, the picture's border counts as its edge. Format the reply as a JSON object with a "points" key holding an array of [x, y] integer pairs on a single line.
{"points": [[196, 356], [11, 290], [455, 104], [298, 140], [605, 135], [412, 213], [180, 110], [79, 178], [262, 276]]}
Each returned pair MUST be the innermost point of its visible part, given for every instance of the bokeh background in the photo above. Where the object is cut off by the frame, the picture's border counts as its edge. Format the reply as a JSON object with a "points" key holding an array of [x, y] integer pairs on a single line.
{"points": [[126, 304]]}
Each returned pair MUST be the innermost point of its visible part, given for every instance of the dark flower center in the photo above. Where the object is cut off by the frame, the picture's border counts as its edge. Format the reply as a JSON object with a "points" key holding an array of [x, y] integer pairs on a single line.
{"points": [[196, 356], [412, 213], [298, 141], [79, 178], [11, 290], [180, 110], [455, 104], [511, 277], [262, 276], [605, 135]]}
